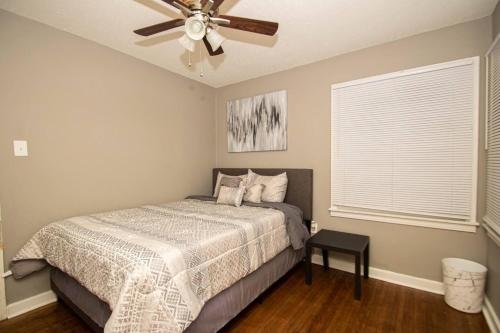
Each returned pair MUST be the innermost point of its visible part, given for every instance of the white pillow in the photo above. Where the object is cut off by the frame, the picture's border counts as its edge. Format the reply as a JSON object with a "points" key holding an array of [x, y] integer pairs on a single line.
{"points": [[274, 186], [254, 193], [231, 195], [219, 178]]}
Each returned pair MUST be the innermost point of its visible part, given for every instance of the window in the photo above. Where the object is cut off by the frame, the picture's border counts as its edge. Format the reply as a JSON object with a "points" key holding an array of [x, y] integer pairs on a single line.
{"points": [[405, 145], [492, 217]]}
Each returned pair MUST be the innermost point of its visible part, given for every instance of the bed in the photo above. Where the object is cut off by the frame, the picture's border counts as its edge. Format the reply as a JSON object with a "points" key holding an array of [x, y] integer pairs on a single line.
{"points": [[267, 257]]}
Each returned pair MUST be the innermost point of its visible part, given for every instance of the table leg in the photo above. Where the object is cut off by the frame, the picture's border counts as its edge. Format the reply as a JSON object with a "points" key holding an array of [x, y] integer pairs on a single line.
{"points": [[366, 261], [325, 260], [357, 277], [308, 265]]}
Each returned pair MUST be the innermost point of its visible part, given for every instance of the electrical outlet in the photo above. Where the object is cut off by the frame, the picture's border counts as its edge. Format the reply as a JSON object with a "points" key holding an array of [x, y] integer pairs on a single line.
{"points": [[314, 227]]}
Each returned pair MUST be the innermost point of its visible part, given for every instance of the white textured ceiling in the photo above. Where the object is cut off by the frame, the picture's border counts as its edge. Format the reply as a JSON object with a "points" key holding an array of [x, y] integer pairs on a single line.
{"points": [[310, 30]]}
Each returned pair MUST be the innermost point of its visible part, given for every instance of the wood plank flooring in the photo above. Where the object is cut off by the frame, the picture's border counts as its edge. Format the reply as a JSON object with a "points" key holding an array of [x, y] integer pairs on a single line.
{"points": [[292, 306]]}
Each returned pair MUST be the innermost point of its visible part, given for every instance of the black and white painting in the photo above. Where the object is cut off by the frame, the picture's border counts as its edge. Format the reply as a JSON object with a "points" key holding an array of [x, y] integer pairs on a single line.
{"points": [[257, 123]]}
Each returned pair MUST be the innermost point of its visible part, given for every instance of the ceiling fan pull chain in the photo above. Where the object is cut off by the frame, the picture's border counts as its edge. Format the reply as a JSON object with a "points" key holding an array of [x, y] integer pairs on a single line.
{"points": [[189, 59], [201, 64]]}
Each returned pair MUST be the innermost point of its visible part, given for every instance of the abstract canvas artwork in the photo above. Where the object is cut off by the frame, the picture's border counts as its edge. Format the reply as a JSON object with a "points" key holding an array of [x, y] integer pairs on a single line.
{"points": [[257, 123]]}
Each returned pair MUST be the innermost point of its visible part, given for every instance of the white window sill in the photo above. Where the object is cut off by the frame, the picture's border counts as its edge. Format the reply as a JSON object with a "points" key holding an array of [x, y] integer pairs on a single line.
{"points": [[492, 230], [406, 220]]}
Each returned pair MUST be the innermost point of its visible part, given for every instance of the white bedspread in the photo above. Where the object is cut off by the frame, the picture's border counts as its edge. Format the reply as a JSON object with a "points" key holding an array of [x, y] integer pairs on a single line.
{"points": [[156, 266]]}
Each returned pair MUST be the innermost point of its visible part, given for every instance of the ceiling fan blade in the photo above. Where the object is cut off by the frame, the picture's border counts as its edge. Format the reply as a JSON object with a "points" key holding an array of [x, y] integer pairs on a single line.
{"points": [[160, 27], [251, 25], [215, 6], [184, 6], [210, 50], [206, 5], [171, 2]]}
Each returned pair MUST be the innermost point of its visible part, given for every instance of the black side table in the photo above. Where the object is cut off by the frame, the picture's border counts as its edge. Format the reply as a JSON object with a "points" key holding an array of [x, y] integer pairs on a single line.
{"points": [[342, 242]]}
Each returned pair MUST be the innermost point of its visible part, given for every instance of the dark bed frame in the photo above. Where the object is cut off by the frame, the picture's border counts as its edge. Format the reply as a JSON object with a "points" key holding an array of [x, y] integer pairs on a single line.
{"points": [[299, 193]]}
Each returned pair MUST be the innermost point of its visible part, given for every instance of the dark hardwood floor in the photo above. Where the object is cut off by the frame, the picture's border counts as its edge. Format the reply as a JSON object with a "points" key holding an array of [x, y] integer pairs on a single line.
{"points": [[292, 306]]}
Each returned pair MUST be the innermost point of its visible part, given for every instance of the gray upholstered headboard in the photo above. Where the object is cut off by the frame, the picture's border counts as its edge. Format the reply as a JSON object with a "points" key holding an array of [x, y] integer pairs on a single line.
{"points": [[300, 185]]}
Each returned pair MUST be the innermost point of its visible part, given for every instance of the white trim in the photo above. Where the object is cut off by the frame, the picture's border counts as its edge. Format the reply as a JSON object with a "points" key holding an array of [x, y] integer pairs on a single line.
{"points": [[491, 231], [491, 316], [405, 220], [30, 303], [431, 286]]}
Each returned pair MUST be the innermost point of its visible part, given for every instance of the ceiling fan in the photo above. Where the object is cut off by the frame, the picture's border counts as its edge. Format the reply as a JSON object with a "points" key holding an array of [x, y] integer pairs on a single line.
{"points": [[202, 17]]}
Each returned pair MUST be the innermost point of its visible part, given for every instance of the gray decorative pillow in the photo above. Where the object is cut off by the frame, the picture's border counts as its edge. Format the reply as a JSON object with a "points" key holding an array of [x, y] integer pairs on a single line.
{"points": [[219, 178], [231, 195], [275, 186], [230, 181], [25, 267], [254, 193]]}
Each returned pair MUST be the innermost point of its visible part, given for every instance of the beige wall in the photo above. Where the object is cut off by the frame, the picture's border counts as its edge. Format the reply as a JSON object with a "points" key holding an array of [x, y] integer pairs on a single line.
{"points": [[493, 256], [105, 131], [409, 250], [108, 131], [496, 21]]}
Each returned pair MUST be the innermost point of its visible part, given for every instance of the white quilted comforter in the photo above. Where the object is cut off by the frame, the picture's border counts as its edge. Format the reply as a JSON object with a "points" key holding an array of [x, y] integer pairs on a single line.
{"points": [[156, 266]]}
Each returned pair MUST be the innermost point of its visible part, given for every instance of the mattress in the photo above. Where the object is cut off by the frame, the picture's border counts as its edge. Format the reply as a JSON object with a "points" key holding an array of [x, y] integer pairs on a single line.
{"points": [[216, 313]]}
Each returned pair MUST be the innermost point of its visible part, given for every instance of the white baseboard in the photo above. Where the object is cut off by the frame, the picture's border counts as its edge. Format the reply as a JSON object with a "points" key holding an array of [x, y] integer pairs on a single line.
{"points": [[30, 303], [491, 316], [432, 286], [34, 302]]}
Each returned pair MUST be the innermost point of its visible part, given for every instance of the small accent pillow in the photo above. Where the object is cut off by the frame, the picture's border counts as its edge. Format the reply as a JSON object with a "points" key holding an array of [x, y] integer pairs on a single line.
{"points": [[274, 186], [254, 193], [219, 178], [231, 195]]}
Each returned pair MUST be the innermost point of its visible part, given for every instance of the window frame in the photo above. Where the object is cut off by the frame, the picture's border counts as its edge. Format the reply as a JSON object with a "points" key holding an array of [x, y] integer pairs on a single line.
{"points": [[409, 219], [490, 226]]}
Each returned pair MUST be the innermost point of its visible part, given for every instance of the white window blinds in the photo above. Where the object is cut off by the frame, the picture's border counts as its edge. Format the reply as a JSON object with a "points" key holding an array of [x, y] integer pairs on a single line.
{"points": [[404, 146], [492, 217]]}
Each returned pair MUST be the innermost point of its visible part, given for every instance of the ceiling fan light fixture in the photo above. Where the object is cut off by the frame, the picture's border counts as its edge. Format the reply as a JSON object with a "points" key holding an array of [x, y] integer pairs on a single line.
{"points": [[187, 43], [195, 27], [201, 16], [215, 39]]}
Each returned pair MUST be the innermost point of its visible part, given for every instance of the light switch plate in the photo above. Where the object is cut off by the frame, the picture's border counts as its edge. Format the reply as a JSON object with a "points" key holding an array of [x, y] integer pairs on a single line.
{"points": [[20, 148]]}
